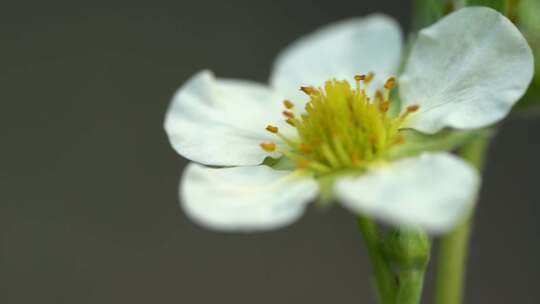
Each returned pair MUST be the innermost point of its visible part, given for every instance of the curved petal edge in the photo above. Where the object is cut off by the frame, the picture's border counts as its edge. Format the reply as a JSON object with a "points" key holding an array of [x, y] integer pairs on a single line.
{"points": [[466, 71], [244, 199], [340, 50], [222, 122], [433, 192]]}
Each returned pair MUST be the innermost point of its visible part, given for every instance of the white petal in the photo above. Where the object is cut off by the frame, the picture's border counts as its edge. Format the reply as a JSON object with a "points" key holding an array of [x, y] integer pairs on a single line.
{"points": [[222, 122], [466, 71], [432, 191], [340, 50], [244, 198]]}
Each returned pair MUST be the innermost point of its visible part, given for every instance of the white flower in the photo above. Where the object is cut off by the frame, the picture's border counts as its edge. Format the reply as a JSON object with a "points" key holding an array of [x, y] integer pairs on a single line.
{"points": [[464, 72]]}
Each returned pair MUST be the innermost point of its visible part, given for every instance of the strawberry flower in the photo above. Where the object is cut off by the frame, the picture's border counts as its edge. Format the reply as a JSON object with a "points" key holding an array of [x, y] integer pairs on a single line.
{"points": [[320, 128]]}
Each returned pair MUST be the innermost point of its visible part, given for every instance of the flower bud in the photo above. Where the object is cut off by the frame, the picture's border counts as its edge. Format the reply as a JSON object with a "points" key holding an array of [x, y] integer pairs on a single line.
{"points": [[409, 248]]}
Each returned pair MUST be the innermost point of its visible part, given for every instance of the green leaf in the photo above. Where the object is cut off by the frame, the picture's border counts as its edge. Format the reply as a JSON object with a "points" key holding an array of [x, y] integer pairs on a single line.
{"points": [[528, 16], [426, 12], [499, 5]]}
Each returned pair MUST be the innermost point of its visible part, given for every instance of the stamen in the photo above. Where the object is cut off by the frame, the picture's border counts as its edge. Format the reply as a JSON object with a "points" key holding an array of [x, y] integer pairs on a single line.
{"points": [[369, 77], [268, 147], [390, 83], [342, 128], [409, 110], [272, 129], [288, 114], [388, 86], [309, 90], [413, 108], [359, 77], [379, 96], [288, 104], [291, 122]]}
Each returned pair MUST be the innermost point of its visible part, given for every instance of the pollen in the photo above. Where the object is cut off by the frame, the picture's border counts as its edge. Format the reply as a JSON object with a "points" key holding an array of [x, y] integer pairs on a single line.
{"points": [[390, 83], [369, 77], [272, 129], [291, 122], [413, 108], [341, 127], [288, 104], [359, 77], [268, 147], [309, 90], [288, 114]]}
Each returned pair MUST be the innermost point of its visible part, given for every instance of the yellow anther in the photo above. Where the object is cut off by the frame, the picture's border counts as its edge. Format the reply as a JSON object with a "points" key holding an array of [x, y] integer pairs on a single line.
{"points": [[413, 108], [272, 129], [390, 83], [369, 77], [409, 110], [291, 122], [359, 77], [288, 114], [309, 90], [288, 104], [342, 128], [268, 147]]}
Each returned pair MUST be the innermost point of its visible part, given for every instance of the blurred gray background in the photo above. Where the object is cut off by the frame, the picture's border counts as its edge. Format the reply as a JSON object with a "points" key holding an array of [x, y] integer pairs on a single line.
{"points": [[89, 208]]}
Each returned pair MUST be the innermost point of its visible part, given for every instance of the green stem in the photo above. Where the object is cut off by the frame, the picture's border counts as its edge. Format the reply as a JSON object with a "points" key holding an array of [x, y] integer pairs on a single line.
{"points": [[454, 247], [411, 283], [452, 260], [384, 277], [511, 9]]}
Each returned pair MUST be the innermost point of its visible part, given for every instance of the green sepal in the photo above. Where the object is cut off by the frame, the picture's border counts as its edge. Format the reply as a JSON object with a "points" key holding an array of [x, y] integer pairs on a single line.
{"points": [[282, 163], [446, 140], [408, 249], [415, 143]]}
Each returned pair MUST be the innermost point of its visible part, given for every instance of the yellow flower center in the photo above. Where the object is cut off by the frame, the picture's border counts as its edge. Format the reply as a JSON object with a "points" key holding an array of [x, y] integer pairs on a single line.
{"points": [[342, 127]]}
